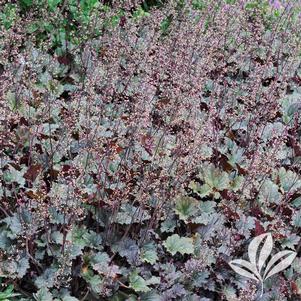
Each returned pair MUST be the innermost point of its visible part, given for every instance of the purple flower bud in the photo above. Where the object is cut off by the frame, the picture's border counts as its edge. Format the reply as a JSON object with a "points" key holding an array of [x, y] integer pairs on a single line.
{"points": [[275, 4]]}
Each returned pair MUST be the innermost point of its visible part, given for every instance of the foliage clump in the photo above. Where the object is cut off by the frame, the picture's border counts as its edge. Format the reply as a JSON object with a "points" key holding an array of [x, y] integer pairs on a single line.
{"points": [[143, 144]]}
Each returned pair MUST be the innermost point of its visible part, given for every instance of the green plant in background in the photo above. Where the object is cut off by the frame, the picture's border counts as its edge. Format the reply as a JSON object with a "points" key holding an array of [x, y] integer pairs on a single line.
{"points": [[165, 24], [199, 4], [140, 13], [59, 22], [8, 15], [8, 293]]}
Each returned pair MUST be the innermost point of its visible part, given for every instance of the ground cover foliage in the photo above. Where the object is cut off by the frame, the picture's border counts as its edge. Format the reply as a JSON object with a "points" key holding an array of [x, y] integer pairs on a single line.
{"points": [[144, 144]]}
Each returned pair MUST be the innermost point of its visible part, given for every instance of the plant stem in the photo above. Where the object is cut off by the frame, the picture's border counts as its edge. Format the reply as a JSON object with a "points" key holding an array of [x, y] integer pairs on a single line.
{"points": [[261, 289]]}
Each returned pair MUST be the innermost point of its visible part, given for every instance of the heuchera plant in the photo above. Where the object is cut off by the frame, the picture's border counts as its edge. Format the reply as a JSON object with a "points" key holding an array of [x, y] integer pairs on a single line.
{"points": [[144, 144]]}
